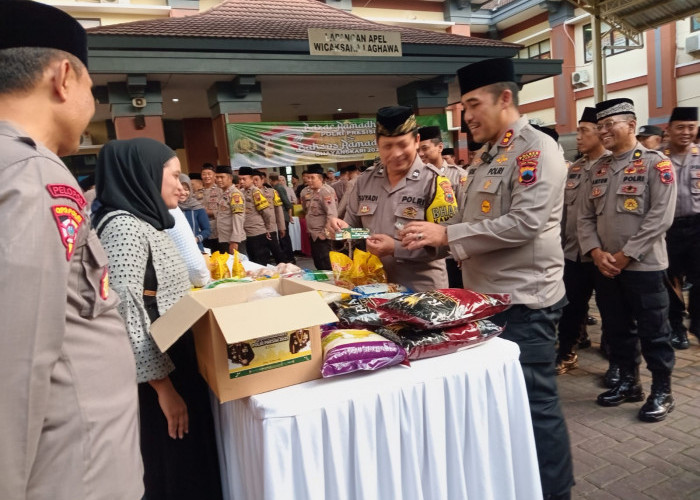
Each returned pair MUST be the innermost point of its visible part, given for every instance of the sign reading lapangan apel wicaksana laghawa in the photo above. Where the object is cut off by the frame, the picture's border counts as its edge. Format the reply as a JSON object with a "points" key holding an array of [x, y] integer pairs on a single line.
{"points": [[363, 43]]}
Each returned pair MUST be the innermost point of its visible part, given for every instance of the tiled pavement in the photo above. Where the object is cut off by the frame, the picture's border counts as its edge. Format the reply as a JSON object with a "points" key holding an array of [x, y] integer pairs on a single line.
{"points": [[616, 456]]}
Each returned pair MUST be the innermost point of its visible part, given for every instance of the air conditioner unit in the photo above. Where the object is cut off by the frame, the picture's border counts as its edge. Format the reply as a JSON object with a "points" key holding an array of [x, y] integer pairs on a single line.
{"points": [[692, 43], [580, 78]]}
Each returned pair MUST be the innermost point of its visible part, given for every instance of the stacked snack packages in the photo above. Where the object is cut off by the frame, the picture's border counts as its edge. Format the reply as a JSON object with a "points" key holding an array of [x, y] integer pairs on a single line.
{"points": [[362, 269], [419, 325]]}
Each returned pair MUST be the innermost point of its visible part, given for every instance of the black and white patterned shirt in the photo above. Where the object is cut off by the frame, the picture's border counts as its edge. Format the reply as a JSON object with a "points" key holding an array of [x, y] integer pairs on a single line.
{"points": [[127, 240]]}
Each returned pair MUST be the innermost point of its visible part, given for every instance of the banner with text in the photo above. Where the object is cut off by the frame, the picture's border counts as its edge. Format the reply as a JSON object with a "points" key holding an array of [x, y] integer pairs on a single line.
{"points": [[363, 43], [281, 144]]}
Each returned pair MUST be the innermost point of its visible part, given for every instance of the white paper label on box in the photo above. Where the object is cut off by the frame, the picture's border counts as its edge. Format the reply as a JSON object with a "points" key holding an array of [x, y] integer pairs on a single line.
{"points": [[265, 353]]}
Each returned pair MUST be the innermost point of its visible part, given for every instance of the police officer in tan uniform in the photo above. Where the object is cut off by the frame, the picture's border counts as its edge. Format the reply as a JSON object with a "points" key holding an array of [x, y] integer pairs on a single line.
{"points": [[683, 237], [627, 206], [230, 214], [398, 190], [508, 241], [210, 199], [260, 225], [430, 150], [318, 201], [578, 269], [272, 195], [68, 418]]}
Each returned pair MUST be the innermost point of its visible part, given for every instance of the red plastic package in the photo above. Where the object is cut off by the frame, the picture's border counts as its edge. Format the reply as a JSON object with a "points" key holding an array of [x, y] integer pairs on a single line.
{"points": [[443, 308], [426, 344]]}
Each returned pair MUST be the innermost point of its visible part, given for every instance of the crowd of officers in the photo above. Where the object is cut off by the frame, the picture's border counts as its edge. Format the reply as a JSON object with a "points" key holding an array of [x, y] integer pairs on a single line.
{"points": [[623, 220]]}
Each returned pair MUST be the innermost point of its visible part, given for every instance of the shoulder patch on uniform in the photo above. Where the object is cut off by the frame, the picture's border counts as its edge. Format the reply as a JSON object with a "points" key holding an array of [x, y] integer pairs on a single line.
{"points": [[694, 151], [66, 191], [665, 171], [507, 138], [462, 180], [637, 154], [68, 221], [527, 165]]}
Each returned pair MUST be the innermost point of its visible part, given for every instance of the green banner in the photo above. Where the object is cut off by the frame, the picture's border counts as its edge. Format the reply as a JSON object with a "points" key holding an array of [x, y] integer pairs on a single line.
{"points": [[282, 144]]}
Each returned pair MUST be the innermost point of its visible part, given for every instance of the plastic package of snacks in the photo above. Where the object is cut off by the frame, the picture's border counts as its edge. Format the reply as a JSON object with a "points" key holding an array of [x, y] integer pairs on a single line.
{"points": [[443, 308], [347, 351], [420, 344]]}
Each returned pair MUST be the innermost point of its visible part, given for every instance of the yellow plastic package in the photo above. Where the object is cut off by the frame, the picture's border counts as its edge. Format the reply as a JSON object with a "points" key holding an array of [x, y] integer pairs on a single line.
{"points": [[364, 268]]}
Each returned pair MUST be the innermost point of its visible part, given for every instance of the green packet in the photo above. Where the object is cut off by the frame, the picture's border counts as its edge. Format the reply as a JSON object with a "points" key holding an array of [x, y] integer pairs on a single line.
{"points": [[352, 233]]}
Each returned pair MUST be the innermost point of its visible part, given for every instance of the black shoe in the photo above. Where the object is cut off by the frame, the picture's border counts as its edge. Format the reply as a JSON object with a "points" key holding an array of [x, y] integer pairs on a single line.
{"points": [[612, 376], [659, 403], [628, 390], [679, 339], [590, 320], [566, 363]]}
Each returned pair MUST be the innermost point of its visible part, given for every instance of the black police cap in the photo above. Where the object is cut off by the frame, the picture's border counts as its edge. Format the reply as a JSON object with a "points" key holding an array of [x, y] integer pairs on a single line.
{"points": [[486, 72]]}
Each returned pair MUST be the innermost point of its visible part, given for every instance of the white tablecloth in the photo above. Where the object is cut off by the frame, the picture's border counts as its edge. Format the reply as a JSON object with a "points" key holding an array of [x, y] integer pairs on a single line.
{"points": [[451, 427], [295, 234]]}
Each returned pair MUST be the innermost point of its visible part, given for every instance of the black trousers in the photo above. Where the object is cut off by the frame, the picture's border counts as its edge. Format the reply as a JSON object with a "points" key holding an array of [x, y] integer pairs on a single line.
{"points": [[454, 273], [260, 248], [578, 281], [634, 310], [286, 245], [534, 330], [319, 252], [683, 245], [212, 244]]}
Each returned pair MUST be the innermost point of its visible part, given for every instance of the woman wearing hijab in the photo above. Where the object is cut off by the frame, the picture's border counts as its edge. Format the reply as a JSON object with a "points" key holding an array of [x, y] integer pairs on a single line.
{"points": [[137, 181], [194, 212]]}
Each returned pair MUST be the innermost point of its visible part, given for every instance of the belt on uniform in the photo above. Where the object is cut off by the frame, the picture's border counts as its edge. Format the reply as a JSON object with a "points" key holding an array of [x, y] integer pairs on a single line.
{"points": [[688, 221]]}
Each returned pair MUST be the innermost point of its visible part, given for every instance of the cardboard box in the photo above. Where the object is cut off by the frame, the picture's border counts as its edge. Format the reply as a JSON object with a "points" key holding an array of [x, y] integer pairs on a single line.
{"points": [[281, 332]]}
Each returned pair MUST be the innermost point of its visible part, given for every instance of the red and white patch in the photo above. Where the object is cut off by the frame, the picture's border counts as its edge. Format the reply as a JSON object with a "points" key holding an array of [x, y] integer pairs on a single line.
{"points": [[66, 191], [68, 221]]}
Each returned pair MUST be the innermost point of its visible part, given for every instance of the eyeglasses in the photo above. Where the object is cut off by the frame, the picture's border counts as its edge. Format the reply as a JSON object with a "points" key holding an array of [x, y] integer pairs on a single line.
{"points": [[608, 125]]}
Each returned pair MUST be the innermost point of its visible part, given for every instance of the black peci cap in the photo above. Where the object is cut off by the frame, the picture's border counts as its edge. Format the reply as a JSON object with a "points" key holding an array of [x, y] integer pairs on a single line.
{"points": [[24, 23], [612, 107], [486, 72], [589, 115], [224, 169], [315, 169], [393, 121], [245, 171], [195, 176], [427, 133], [448, 151], [684, 114]]}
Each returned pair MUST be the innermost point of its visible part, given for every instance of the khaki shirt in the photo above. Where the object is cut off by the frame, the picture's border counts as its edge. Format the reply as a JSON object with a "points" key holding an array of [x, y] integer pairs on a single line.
{"points": [[210, 200], [273, 196], [687, 169], [509, 239], [374, 204], [69, 415], [340, 187], [230, 216], [572, 191], [319, 205], [259, 213], [627, 205]]}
